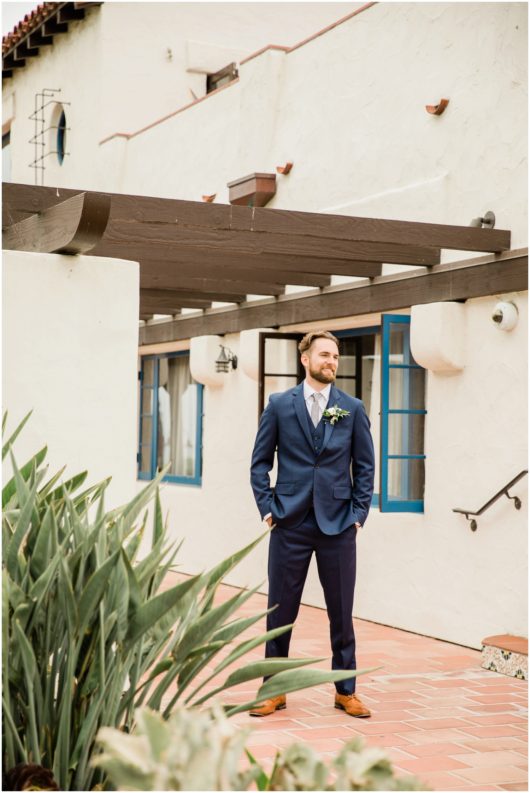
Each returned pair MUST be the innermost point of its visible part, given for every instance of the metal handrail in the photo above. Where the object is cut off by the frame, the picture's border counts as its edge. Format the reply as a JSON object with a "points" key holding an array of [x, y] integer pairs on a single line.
{"points": [[502, 492]]}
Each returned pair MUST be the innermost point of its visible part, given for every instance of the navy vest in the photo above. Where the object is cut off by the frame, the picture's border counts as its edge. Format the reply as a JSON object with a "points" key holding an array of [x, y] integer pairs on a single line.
{"points": [[317, 433]]}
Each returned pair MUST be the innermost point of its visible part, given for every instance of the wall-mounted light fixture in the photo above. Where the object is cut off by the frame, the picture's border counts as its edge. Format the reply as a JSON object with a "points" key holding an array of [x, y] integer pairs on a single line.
{"points": [[226, 360], [505, 315], [487, 221]]}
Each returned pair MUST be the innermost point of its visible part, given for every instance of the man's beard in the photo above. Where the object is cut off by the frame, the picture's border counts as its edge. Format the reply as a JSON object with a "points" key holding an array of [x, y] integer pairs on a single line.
{"points": [[321, 376]]}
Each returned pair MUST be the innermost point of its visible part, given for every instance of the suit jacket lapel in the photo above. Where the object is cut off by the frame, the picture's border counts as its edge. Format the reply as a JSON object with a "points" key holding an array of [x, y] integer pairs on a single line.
{"points": [[301, 411], [334, 399]]}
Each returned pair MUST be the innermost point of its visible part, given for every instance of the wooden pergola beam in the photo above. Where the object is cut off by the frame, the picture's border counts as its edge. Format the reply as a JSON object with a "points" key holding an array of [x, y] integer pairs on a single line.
{"points": [[73, 226], [146, 237], [165, 298], [224, 217], [220, 285], [200, 294], [488, 275], [359, 229], [169, 274]]}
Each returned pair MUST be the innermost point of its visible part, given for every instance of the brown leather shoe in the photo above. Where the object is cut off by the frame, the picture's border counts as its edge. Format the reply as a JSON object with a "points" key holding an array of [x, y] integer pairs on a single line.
{"points": [[352, 705], [269, 706]]}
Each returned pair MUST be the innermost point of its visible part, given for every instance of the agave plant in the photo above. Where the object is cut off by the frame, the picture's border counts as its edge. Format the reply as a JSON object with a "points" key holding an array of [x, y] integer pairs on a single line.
{"points": [[89, 634]]}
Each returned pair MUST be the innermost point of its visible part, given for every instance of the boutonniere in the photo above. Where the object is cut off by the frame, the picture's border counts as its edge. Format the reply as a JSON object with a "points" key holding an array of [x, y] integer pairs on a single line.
{"points": [[334, 414]]}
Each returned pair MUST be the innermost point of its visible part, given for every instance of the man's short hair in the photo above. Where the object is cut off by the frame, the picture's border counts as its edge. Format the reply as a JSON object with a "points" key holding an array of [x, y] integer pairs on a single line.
{"points": [[310, 337]]}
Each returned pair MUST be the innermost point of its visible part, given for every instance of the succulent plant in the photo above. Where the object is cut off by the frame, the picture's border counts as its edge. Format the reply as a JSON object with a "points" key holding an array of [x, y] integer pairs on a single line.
{"points": [[202, 750]]}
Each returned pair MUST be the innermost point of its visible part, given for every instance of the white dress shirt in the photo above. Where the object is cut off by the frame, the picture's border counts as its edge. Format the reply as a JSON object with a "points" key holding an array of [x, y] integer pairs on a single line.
{"points": [[323, 397]]}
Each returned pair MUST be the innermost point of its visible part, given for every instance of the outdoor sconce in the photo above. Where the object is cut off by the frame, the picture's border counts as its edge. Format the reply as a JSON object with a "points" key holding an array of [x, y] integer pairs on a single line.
{"points": [[505, 315], [225, 360], [488, 221]]}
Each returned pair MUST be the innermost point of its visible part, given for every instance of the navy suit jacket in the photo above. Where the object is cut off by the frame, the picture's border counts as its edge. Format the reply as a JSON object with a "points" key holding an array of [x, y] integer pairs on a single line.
{"points": [[306, 479]]}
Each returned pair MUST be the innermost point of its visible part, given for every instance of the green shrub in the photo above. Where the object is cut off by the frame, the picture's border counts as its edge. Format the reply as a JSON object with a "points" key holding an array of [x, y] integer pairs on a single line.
{"points": [[88, 633]]}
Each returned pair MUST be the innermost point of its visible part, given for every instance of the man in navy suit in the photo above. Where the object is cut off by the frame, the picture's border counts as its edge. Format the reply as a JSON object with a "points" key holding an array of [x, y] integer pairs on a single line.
{"points": [[321, 436]]}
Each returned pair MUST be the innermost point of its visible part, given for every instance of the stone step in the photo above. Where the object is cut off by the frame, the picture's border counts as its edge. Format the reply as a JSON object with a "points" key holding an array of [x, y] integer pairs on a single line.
{"points": [[506, 654]]}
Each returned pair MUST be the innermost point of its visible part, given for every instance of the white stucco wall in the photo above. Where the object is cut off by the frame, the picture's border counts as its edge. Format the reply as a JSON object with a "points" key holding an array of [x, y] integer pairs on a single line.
{"points": [[128, 64], [69, 349], [348, 109]]}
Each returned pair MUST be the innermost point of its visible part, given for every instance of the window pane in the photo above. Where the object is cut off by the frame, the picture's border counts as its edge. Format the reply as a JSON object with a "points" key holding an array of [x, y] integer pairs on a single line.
{"points": [[400, 343], [281, 357], [406, 480], [272, 385], [145, 459], [147, 401], [349, 386], [349, 349], [177, 417], [147, 424], [406, 389], [148, 370], [405, 433]]}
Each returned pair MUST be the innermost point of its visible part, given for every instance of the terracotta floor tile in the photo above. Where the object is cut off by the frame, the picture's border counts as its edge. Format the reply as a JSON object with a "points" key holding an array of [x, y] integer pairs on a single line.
{"points": [[440, 780], [268, 738], [438, 724], [321, 745], [389, 739], [495, 774], [431, 736], [474, 787], [507, 707], [263, 752], [431, 763], [431, 749], [499, 731], [500, 718], [374, 726], [393, 704], [493, 745], [501, 757], [489, 699], [324, 732]]}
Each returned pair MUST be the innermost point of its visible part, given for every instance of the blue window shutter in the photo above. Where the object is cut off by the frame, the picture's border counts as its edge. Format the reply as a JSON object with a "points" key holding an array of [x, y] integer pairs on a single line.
{"points": [[405, 453]]}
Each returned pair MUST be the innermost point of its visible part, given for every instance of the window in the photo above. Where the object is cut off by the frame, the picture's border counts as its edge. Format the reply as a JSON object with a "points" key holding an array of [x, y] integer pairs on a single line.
{"points": [[222, 77], [170, 419], [6, 156], [279, 365], [61, 138], [402, 420]]}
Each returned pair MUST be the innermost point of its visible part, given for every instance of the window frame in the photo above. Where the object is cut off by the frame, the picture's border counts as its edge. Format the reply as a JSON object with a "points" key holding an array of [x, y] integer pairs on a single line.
{"points": [[196, 479], [387, 504], [364, 330]]}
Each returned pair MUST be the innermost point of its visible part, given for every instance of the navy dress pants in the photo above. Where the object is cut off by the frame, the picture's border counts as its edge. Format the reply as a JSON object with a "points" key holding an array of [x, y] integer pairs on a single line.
{"points": [[290, 552]]}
